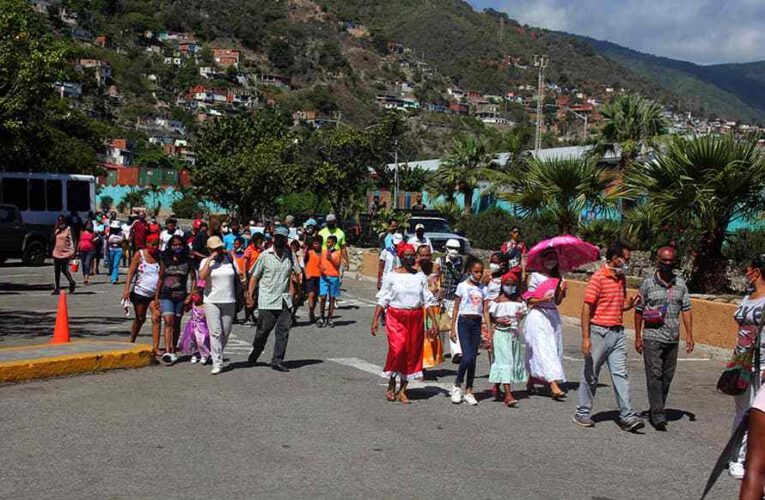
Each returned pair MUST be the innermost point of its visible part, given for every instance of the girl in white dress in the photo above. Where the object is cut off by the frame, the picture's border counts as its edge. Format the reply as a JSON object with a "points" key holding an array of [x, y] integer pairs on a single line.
{"points": [[542, 330]]}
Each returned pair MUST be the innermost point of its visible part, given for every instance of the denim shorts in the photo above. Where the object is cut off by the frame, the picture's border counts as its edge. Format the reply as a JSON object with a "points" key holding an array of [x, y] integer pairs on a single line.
{"points": [[329, 286], [171, 306]]}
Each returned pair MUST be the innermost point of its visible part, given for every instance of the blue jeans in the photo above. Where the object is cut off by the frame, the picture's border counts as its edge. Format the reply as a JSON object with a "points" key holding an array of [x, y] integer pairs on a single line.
{"points": [[609, 346], [115, 256], [87, 261], [469, 333]]}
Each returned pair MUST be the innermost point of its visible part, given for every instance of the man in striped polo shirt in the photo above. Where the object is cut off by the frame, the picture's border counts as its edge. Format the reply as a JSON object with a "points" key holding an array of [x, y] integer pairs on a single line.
{"points": [[603, 338]]}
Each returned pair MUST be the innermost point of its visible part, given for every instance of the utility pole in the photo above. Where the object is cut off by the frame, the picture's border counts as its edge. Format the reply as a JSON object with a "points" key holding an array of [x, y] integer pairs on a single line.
{"points": [[395, 174], [541, 63]]}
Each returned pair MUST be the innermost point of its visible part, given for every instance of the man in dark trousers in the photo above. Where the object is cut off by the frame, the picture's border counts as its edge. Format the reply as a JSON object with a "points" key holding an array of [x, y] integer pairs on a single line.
{"points": [[276, 272], [664, 302]]}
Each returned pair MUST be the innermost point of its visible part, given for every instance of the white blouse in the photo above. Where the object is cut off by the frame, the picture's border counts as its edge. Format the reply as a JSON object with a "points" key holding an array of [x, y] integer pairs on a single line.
{"points": [[405, 291], [219, 286]]}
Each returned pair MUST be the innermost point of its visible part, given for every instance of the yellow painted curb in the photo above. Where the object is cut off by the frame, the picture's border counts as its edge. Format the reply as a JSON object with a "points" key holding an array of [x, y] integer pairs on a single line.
{"points": [[72, 364]]}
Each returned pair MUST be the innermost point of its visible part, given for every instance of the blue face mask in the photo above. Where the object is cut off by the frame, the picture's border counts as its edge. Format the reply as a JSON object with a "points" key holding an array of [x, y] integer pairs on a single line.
{"points": [[510, 290]]}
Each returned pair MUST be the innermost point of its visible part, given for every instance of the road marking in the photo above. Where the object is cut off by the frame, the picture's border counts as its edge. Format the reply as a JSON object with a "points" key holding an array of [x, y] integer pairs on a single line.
{"points": [[569, 358], [367, 367]]}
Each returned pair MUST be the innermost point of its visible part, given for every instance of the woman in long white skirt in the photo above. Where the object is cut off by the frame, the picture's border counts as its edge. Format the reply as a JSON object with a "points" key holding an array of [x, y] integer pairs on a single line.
{"points": [[542, 330]]}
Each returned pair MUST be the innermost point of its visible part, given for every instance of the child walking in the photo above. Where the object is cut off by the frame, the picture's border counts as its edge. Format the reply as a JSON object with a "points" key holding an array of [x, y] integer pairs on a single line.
{"points": [[329, 286], [312, 268], [196, 336], [505, 314]]}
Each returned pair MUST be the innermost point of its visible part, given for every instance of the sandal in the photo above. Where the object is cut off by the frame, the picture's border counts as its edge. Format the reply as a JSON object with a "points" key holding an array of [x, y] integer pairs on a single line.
{"points": [[511, 403], [390, 395], [402, 398], [559, 396], [531, 390]]}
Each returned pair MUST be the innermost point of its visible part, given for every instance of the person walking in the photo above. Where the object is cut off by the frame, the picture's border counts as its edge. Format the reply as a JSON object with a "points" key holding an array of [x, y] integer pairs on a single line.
{"points": [[99, 229], [276, 273], [664, 300], [748, 316], [144, 267], [467, 318], [392, 231], [219, 275], [542, 330], [313, 274], [342, 242], [419, 238], [404, 297], [514, 248], [86, 249], [388, 260], [114, 245], [175, 272], [450, 269], [171, 229], [329, 285], [604, 340], [63, 251]]}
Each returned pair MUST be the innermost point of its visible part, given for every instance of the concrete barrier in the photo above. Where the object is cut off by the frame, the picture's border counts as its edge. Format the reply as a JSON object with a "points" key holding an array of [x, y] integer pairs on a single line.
{"points": [[713, 323]]}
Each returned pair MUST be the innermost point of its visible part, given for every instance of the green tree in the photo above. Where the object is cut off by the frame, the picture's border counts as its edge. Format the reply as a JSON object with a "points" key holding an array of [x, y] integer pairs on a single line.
{"points": [[156, 191], [135, 198], [559, 189], [106, 203], [468, 162], [700, 184], [630, 123], [340, 159]]}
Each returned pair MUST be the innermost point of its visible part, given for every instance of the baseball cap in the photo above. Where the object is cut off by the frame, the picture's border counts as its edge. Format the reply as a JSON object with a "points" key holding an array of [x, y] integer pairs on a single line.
{"points": [[197, 223], [331, 218], [282, 231], [419, 226], [397, 238], [289, 219], [213, 243], [311, 222], [452, 243]]}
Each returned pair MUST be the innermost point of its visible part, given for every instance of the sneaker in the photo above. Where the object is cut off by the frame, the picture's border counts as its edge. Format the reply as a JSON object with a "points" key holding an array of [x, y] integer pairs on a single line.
{"points": [[56, 292], [583, 420], [321, 323], [456, 359], [203, 360], [216, 369], [456, 394], [331, 323], [470, 399], [167, 358], [632, 424], [736, 470], [194, 359]]}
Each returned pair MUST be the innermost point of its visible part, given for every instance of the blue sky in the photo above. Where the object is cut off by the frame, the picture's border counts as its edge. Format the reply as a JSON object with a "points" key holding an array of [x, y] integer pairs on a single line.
{"points": [[700, 31]]}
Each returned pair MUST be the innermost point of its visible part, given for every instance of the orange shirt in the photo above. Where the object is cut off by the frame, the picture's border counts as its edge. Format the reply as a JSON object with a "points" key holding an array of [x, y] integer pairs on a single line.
{"points": [[251, 255], [606, 293], [330, 264], [313, 266]]}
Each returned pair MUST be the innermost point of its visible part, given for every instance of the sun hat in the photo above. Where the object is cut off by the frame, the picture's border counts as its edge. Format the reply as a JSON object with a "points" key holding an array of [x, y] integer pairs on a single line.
{"points": [[213, 243]]}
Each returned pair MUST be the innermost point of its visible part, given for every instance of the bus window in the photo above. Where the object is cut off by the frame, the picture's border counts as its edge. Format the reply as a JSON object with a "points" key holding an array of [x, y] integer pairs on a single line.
{"points": [[37, 195], [15, 192], [54, 196], [78, 196]]}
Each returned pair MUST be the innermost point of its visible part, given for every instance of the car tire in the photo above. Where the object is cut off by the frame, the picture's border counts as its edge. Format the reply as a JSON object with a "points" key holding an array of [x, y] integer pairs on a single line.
{"points": [[34, 254], [2, 260]]}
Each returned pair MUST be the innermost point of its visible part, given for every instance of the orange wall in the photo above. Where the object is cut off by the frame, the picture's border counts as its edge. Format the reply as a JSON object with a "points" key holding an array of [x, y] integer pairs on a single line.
{"points": [[713, 323]]}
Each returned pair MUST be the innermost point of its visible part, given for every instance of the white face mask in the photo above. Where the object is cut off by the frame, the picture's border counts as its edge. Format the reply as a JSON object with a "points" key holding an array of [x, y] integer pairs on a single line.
{"points": [[510, 289], [494, 267], [453, 252]]}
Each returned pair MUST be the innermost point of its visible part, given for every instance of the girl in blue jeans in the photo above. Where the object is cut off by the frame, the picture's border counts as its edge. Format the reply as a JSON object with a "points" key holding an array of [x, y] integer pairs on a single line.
{"points": [[114, 246], [468, 322]]}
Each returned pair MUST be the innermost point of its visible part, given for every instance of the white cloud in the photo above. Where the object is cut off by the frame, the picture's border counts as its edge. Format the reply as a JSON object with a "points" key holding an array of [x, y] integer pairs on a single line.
{"points": [[701, 31]]}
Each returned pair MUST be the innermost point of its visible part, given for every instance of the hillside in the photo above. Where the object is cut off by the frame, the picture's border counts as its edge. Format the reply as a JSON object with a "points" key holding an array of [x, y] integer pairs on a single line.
{"points": [[730, 91]]}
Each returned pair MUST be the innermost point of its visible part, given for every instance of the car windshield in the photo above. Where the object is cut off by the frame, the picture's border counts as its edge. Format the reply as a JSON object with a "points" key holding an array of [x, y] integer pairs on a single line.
{"points": [[431, 225]]}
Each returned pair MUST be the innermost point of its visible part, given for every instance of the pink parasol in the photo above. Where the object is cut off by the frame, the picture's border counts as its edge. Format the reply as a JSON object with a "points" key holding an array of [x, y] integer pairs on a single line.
{"points": [[572, 253]]}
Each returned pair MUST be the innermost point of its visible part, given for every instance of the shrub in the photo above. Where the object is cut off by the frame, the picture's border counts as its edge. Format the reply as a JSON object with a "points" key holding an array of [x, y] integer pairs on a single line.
{"points": [[743, 245], [187, 206], [600, 232], [489, 229]]}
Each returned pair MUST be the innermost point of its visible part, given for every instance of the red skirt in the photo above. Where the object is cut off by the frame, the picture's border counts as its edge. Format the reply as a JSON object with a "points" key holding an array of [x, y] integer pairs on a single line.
{"points": [[406, 335]]}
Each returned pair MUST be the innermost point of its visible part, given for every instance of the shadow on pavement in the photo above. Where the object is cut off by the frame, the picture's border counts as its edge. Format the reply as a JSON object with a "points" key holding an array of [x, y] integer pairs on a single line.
{"points": [[30, 325], [26, 287], [294, 364]]}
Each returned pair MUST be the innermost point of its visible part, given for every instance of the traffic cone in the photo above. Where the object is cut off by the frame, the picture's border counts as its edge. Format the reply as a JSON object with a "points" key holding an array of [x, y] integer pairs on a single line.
{"points": [[61, 330]]}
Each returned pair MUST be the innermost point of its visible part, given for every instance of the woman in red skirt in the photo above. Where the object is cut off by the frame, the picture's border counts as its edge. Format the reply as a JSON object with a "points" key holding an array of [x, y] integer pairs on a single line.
{"points": [[403, 296]]}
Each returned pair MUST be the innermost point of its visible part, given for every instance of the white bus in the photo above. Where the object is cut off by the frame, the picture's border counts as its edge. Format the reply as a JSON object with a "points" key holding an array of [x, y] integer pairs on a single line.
{"points": [[43, 197]]}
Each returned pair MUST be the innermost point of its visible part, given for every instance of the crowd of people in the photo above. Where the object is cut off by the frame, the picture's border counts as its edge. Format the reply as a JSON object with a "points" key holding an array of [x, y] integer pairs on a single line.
{"points": [[266, 270]]}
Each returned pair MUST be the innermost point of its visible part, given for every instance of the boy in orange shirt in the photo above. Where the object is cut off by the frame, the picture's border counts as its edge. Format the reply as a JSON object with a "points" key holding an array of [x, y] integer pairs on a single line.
{"points": [[329, 285], [313, 274]]}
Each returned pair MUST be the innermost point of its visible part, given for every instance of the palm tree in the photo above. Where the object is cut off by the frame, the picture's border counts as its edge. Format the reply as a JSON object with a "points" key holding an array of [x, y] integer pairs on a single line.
{"points": [[467, 163], [156, 192], [701, 184], [559, 189], [630, 122]]}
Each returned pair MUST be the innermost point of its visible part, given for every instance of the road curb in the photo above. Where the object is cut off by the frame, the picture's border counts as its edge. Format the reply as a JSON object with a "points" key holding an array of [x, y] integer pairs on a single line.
{"points": [[34, 367]]}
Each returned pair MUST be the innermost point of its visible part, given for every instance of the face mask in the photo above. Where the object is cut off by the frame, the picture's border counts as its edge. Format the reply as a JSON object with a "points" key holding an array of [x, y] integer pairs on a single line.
{"points": [[494, 268], [550, 265], [408, 261], [153, 251], [280, 242], [178, 251], [510, 290], [420, 235], [239, 250], [331, 225], [666, 268], [453, 252], [475, 280], [618, 270]]}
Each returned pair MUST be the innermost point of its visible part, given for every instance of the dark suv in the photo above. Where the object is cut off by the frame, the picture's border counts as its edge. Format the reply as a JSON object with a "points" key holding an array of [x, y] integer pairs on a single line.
{"points": [[18, 241]]}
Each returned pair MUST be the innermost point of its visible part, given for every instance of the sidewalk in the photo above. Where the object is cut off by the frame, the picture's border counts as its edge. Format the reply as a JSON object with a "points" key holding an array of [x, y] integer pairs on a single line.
{"points": [[46, 360]]}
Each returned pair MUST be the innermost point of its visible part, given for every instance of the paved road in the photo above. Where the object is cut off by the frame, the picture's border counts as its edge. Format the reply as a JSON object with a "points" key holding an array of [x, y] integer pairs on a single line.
{"points": [[324, 429]]}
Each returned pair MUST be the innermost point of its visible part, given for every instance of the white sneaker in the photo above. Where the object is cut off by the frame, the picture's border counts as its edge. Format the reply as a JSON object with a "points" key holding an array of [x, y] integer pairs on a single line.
{"points": [[736, 470], [194, 359], [203, 360], [470, 399], [456, 395], [216, 369]]}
